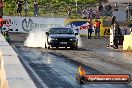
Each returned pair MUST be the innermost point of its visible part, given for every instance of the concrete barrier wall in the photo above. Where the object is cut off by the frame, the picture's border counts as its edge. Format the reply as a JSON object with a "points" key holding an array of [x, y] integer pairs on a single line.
{"points": [[12, 72]]}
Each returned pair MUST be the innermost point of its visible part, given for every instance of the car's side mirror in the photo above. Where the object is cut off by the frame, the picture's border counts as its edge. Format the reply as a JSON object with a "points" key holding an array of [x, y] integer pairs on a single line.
{"points": [[47, 33], [76, 34]]}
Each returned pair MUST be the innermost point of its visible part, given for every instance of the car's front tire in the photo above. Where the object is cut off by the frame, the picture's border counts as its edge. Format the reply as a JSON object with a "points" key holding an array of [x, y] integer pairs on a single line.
{"points": [[74, 48], [45, 46], [48, 47]]}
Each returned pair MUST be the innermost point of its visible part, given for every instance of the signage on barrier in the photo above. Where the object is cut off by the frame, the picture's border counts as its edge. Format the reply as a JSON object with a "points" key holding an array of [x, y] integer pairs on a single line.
{"points": [[27, 24]]}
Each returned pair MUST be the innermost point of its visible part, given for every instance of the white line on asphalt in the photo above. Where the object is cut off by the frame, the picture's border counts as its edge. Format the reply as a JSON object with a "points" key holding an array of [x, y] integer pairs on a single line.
{"points": [[31, 70]]}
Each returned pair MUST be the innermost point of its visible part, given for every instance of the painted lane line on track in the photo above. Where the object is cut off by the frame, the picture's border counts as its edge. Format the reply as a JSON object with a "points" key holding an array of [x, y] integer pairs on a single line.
{"points": [[30, 69]]}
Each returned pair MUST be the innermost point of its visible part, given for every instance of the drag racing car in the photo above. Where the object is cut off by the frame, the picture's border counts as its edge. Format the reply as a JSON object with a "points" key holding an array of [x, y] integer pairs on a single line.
{"points": [[61, 37]]}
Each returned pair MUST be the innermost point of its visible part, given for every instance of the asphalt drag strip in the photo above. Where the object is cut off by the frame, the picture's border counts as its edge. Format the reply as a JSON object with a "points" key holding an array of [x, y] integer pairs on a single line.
{"points": [[57, 71]]}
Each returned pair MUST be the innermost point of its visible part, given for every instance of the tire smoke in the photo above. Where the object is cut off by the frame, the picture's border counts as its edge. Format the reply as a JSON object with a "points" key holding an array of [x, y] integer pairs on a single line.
{"points": [[36, 39]]}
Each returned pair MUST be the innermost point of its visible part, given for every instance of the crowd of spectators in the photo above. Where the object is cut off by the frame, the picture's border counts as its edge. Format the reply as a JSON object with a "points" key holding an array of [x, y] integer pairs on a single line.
{"points": [[25, 3], [101, 11]]}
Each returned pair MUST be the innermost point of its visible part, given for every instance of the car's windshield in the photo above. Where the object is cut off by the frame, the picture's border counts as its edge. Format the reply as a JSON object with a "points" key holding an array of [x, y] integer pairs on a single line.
{"points": [[61, 31]]}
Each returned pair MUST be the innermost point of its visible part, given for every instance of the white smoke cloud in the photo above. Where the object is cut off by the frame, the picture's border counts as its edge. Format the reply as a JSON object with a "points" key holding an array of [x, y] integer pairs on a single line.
{"points": [[35, 39]]}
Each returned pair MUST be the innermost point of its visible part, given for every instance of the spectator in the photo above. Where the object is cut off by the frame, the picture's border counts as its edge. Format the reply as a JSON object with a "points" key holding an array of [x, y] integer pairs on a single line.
{"points": [[69, 11], [108, 7], [90, 28], [6, 35], [1, 8], [2, 21], [36, 9], [113, 20], [19, 7], [26, 7], [108, 10], [97, 15], [91, 14], [100, 8], [129, 10], [116, 7], [125, 30], [1, 24], [84, 14], [88, 14], [131, 32], [97, 29]]}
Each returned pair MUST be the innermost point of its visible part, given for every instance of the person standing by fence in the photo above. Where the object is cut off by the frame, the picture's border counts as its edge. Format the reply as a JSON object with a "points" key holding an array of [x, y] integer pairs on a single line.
{"points": [[26, 7], [1, 8], [108, 10], [1, 23], [69, 11], [19, 7], [100, 9], [36, 9], [84, 14]]}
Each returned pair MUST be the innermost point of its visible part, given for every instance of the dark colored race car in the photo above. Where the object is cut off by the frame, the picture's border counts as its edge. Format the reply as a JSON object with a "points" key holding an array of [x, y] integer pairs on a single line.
{"points": [[61, 37]]}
